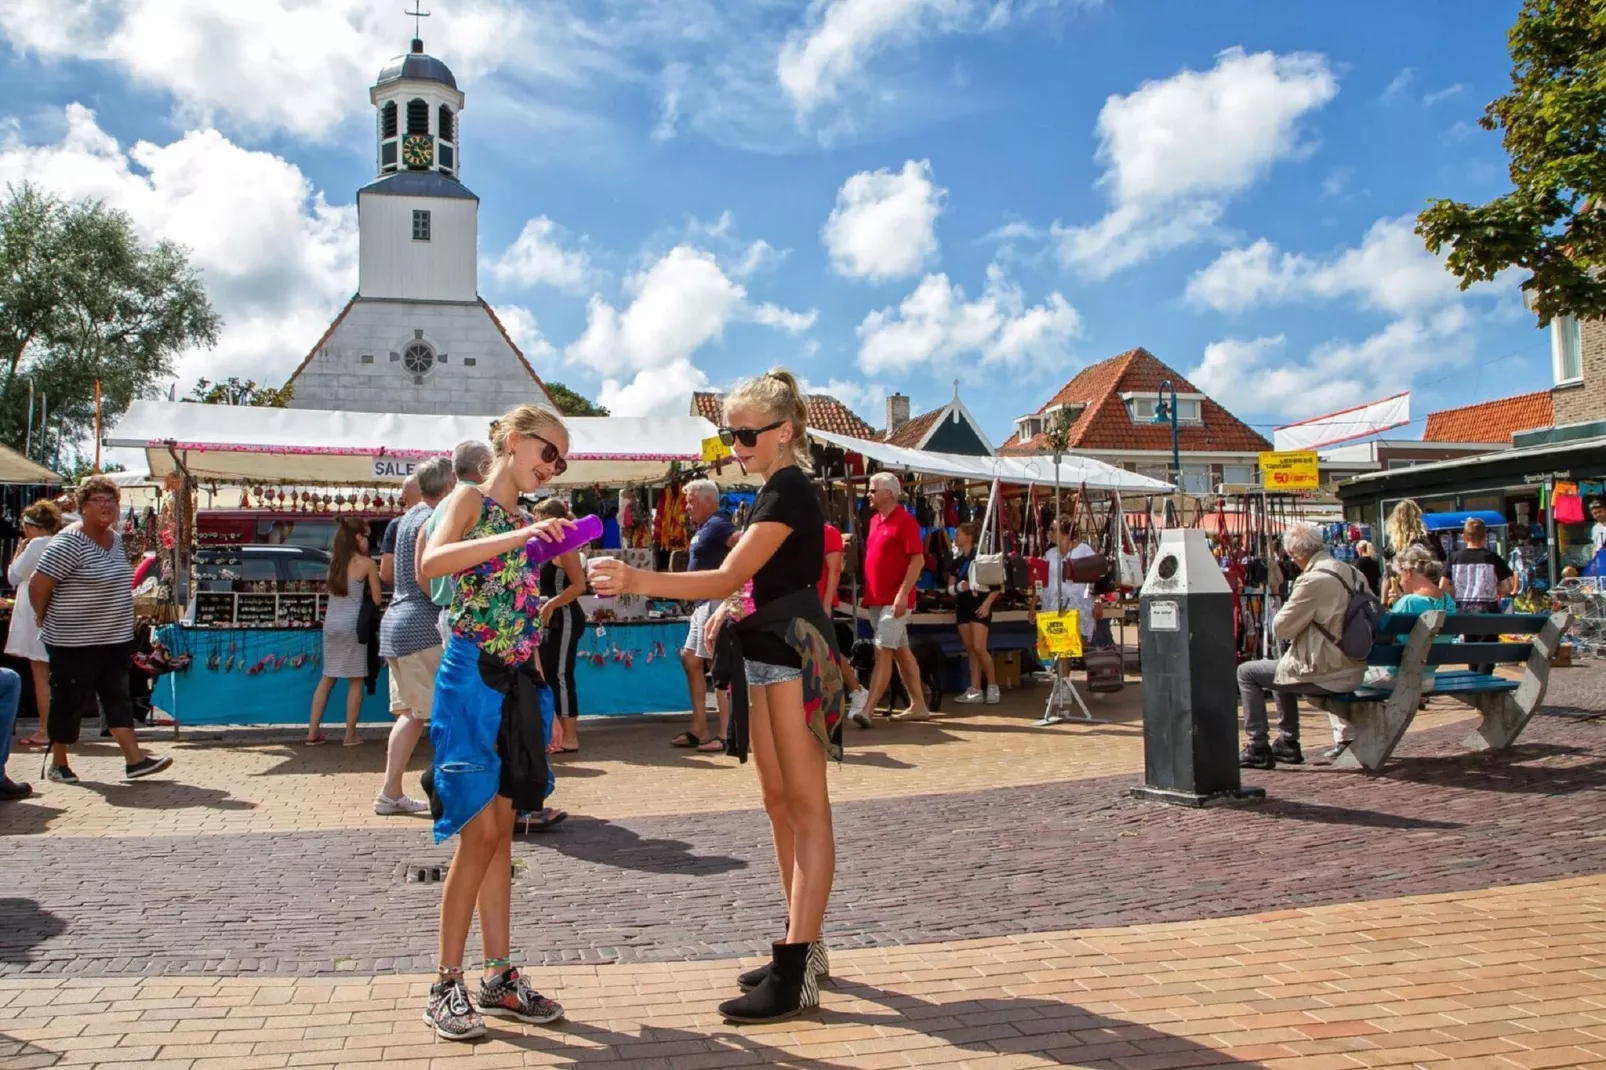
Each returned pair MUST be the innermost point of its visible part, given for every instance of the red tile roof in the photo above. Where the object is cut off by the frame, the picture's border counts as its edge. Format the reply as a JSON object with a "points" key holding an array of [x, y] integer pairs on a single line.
{"points": [[1491, 421], [911, 434], [825, 413], [1105, 423]]}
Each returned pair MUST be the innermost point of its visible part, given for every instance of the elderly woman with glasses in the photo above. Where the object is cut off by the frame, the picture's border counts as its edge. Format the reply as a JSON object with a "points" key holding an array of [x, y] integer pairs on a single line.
{"points": [[82, 596]]}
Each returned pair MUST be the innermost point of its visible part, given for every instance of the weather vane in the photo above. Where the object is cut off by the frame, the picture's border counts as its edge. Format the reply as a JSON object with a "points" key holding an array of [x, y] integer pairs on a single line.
{"points": [[419, 14]]}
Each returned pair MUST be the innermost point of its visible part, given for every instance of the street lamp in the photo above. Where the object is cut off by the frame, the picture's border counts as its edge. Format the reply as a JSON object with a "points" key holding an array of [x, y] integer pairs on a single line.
{"points": [[1167, 413]]}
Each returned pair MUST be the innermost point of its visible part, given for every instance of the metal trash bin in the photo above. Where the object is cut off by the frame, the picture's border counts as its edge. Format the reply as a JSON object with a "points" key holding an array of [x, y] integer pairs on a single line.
{"points": [[1190, 687]]}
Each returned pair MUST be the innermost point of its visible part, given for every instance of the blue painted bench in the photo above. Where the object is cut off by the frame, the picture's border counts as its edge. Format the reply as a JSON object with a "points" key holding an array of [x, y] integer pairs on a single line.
{"points": [[1380, 717]]}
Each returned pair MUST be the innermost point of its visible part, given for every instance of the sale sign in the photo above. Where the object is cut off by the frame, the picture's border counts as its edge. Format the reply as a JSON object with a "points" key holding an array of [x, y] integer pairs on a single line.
{"points": [[1290, 470]]}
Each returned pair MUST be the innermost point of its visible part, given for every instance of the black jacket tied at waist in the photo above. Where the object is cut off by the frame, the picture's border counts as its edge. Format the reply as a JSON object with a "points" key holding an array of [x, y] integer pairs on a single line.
{"points": [[521, 739], [800, 621]]}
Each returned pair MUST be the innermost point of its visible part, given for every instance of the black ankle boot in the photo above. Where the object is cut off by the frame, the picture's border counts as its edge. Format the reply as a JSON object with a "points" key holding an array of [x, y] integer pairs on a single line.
{"points": [[819, 966], [789, 989]]}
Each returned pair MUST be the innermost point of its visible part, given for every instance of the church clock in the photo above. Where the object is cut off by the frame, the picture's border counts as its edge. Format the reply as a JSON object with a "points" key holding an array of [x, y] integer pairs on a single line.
{"points": [[418, 151]]}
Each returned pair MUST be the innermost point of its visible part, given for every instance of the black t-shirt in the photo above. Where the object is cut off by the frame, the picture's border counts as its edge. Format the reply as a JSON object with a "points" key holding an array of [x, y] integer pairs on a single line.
{"points": [[1477, 575], [787, 498], [1373, 571]]}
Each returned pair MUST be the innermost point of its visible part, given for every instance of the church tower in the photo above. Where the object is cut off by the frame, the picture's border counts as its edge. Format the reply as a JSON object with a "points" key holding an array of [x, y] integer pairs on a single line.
{"points": [[417, 337]]}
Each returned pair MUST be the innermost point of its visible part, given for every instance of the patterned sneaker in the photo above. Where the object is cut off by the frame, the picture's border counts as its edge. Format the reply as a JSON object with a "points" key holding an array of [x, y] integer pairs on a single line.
{"points": [[385, 806], [450, 1013], [509, 995], [60, 774]]}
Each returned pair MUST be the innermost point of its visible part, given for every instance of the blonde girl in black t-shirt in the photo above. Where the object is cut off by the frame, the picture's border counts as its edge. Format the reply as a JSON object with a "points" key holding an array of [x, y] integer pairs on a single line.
{"points": [[782, 552]]}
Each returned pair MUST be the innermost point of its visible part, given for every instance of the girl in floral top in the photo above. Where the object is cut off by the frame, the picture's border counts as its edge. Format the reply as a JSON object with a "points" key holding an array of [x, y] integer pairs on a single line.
{"points": [[481, 729]]}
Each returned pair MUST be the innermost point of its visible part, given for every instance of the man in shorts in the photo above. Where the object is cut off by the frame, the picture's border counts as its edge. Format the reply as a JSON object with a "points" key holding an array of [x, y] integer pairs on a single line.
{"points": [[470, 461], [894, 558], [712, 541]]}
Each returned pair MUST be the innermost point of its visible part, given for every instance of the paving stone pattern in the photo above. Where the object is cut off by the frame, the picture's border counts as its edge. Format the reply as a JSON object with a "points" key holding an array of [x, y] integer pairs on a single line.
{"points": [[932, 868]]}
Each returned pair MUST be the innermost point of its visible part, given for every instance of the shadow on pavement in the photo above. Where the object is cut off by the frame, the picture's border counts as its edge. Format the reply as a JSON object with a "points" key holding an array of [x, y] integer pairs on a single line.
{"points": [[1286, 810], [24, 925], [590, 839], [21, 1055], [27, 817], [1507, 771], [162, 795]]}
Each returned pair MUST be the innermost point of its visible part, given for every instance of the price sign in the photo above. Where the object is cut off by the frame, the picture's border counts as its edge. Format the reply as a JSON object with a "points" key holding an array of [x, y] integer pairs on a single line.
{"points": [[1290, 470], [1059, 634], [715, 450]]}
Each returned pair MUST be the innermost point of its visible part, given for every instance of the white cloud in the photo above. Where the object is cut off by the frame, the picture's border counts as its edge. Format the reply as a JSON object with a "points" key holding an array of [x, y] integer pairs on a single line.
{"points": [[1176, 150], [276, 258], [680, 303], [1439, 95], [1390, 271], [660, 391], [884, 224], [1400, 83], [818, 63], [537, 257], [525, 332], [269, 64], [868, 400], [737, 257], [1257, 377], [936, 326]]}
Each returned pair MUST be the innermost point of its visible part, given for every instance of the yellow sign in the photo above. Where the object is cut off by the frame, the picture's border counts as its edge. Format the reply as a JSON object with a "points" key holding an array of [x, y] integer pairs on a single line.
{"points": [[1293, 470], [1059, 634], [714, 450]]}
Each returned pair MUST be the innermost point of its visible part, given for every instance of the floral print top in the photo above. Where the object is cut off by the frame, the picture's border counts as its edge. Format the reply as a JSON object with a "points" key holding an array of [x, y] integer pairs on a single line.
{"points": [[497, 605]]}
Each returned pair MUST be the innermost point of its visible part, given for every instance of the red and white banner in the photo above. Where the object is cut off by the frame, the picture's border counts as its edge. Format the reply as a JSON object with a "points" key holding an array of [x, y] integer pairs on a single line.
{"points": [[1362, 421]]}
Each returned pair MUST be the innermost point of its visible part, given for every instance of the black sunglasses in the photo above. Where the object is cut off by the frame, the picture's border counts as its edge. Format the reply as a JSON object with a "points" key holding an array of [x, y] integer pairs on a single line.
{"points": [[551, 455], [747, 436]]}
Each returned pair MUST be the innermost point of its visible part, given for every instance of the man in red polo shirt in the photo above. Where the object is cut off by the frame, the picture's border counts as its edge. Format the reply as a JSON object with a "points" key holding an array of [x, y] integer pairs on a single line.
{"points": [[830, 587], [894, 556]]}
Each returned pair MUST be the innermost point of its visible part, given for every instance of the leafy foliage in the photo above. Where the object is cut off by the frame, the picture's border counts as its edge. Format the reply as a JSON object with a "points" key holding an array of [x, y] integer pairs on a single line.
{"points": [[1554, 134], [234, 391], [82, 300], [570, 403]]}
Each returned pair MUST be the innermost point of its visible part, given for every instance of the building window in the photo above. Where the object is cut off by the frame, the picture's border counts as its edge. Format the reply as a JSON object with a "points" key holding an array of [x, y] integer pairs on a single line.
{"points": [[447, 158], [418, 358], [1142, 409], [1196, 479], [387, 119], [1243, 474], [420, 226], [446, 130], [387, 156], [417, 116], [1567, 350]]}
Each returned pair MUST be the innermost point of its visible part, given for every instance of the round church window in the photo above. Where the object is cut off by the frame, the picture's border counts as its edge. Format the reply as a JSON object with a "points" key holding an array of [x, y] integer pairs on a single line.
{"points": [[418, 358]]}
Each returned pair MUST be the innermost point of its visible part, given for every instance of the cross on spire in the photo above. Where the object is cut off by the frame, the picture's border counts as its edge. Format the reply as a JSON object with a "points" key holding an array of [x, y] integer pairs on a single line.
{"points": [[418, 15]]}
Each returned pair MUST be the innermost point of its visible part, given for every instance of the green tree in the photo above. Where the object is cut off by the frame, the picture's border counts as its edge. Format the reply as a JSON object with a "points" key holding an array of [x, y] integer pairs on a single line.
{"points": [[83, 300], [1554, 135], [570, 403], [233, 391]]}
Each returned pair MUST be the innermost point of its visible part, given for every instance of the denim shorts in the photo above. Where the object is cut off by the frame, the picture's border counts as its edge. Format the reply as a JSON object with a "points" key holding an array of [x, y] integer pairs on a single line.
{"points": [[762, 674]]}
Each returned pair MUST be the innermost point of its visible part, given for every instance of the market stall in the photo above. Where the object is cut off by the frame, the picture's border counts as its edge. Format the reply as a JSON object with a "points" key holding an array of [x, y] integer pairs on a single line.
{"points": [[22, 482], [256, 644], [1037, 483]]}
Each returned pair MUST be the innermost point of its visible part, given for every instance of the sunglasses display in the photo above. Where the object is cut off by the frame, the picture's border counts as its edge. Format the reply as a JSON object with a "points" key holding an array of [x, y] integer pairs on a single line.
{"points": [[747, 436]]}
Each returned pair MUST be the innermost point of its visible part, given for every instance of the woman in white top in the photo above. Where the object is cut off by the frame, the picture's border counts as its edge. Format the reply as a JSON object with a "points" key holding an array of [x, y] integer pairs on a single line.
{"points": [[40, 522]]}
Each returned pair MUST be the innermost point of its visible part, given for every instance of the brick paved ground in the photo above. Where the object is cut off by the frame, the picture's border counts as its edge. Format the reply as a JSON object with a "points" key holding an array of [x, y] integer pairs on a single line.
{"points": [[1256, 932], [1514, 978]]}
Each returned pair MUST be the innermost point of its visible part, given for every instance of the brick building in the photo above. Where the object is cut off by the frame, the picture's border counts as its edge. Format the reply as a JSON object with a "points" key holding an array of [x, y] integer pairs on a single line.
{"points": [[1578, 359]]}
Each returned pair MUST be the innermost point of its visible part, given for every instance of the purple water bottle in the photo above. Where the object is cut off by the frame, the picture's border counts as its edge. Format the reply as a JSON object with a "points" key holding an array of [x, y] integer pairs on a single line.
{"points": [[587, 528]]}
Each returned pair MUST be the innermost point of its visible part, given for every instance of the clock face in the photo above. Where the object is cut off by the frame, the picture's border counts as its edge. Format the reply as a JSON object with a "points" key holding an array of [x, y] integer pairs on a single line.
{"points": [[418, 150]]}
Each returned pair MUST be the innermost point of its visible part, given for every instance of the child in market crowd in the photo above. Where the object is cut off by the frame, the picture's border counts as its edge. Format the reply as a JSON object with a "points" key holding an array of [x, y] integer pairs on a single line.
{"points": [[487, 735]]}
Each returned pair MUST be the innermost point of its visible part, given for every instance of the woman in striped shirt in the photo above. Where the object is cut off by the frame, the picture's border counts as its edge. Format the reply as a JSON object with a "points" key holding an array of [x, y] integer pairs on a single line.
{"points": [[82, 595]]}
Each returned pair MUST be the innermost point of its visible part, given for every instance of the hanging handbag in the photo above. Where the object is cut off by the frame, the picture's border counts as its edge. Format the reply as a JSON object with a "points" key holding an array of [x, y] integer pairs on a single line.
{"points": [[988, 570], [1128, 565]]}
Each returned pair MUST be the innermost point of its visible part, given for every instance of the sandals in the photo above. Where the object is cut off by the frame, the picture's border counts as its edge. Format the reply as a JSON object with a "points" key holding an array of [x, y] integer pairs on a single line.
{"points": [[541, 820], [686, 739], [713, 745], [316, 741]]}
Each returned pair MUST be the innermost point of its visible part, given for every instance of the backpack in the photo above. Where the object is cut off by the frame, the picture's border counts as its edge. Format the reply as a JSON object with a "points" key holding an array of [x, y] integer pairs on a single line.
{"points": [[1360, 618]]}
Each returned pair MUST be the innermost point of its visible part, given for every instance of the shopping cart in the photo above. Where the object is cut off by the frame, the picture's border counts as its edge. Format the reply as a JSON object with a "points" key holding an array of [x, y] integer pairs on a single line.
{"points": [[1585, 599]]}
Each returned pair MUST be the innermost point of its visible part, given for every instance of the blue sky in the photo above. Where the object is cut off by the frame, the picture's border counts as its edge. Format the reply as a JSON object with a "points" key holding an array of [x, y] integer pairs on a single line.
{"points": [[881, 194]]}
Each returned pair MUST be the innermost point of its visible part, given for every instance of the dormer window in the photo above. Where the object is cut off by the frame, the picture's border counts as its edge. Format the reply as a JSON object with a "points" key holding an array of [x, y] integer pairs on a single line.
{"points": [[1141, 408]]}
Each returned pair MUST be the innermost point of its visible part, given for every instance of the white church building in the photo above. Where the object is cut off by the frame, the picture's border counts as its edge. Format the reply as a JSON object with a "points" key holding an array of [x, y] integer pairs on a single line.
{"points": [[417, 337]]}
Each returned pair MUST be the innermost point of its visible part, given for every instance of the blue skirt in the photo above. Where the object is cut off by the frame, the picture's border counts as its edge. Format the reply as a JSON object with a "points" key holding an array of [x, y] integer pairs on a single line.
{"points": [[464, 732]]}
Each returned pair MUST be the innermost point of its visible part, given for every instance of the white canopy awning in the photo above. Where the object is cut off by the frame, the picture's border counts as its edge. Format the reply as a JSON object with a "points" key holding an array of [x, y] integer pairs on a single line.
{"points": [[1073, 471], [249, 445]]}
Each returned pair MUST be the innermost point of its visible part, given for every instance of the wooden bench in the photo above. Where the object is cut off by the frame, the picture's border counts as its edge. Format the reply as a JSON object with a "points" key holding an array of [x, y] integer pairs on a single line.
{"points": [[1379, 717]]}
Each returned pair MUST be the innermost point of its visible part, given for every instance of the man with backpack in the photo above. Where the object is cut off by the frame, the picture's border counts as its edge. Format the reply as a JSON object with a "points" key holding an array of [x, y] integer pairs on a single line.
{"points": [[1327, 622]]}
